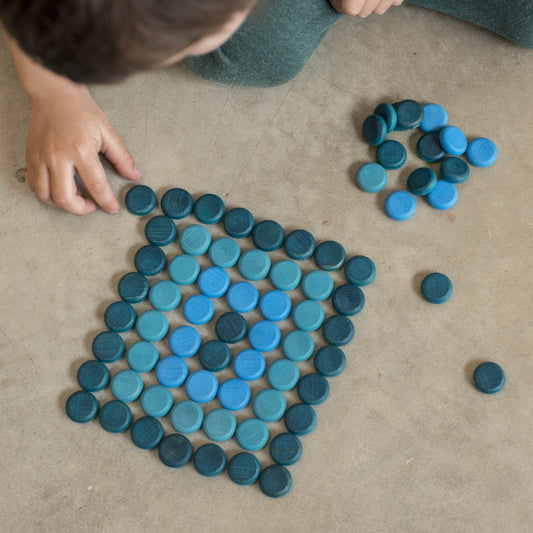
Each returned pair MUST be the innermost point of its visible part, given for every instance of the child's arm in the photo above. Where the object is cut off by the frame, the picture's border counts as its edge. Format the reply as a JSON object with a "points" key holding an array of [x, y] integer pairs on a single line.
{"points": [[363, 8], [67, 131]]}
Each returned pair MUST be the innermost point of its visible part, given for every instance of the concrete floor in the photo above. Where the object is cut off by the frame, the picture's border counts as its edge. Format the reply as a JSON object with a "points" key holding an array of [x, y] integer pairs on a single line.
{"points": [[405, 443]]}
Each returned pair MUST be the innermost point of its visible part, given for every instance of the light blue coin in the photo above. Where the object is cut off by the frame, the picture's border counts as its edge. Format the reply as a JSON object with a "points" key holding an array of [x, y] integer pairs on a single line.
{"points": [[198, 309], [371, 177], [234, 394], [195, 239], [275, 306], [201, 386], [184, 269], [126, 385], [435, 118], [264, 336], [184, 341], [152, 325], [317, 285], [269, 405], [242, 297], [252, 434], [453, 140], [285, 275], [171, 371], [249, 365], [142, 356], [186, 417], [298, 345], [283, 374], [400, 205], [219, 425], [254, 265], [482, 152], [308, 315], [224, 252], [213, 282], [165, 295], [156, 401], [443, 196]]}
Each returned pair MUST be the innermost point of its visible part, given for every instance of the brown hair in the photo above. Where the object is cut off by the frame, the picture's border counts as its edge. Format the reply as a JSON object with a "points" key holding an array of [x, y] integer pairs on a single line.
{"points": [[106, 40]]}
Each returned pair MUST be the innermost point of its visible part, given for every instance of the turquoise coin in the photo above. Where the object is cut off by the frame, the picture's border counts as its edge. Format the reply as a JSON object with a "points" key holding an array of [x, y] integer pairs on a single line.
{"points": [[308, 315], [285, 275], [329, 361], [175, 450], [429, 148], [244, 468], [252, 434], [454, 169], [317, 285], [435, 118], [264, 336], [82, 406], [201, 386], [224, 252], [489, 377], [171, 371], [219, 425], [300, 419], [283, 374], [156, 401], [374, 130], [108, 346], [213, 282], [330, 255], [115, 416], [482, 152], [249, 365], [453, 140], [93, 376], [254, 265], [186, 416], [421, 181], [142, 356], [443, 196], [313, 389], [242, 297], [147, 432], [338, 330], [160, 230], [388, 113], [184, 341], [400, 205], [152, 325], [286, 449], [133, 287], [300, 244], [391, 155], [198, 309], [371, 177], [150, 260], [231, 327], [177, 203], [275, 305], [184, 269], [360, 270], [209, 209], [298, 346], [126, 385], [269, 405], [234, 394], [268, 235], [409, 113], [120, 317], [209, 460], [195, 239], [165, 295], [275, 481], [140, 200], [238, 222], [436, 288], [214, 355]]}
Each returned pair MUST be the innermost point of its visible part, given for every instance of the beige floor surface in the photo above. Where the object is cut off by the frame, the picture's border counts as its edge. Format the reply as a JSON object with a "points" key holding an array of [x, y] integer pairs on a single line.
{"points": [[405, 443]]}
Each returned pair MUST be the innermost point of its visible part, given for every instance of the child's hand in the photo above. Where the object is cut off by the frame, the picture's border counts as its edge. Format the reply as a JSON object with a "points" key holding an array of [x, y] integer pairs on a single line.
{"points": [[67, 132], [363, 8]]}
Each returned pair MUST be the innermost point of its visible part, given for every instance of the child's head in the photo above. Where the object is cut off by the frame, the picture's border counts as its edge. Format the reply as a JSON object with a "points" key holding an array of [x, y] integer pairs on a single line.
{"points": [[106, 40]]}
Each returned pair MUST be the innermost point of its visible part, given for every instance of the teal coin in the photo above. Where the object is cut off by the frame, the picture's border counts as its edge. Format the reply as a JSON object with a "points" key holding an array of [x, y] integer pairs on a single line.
{"points": [[177, 203], [269, 405], [283, 375], [317, 285], [388, 113], [298, 346], [410, 114], [436, 288], [489, 377], [126, 385], [300, 244], [219, 425], [175, 450], [142, 356], [300, 419], [160, 230], [313, 389], [454, 169], [286, 449], [147, 432], [330, 255], [429, 148], [184, 269], [308, 315], [209, 460], [371, 177], [108, 346], [268, 235], [150, 260], [165, 295], [374, 130], [254, 265], [329, 361], [186, 416], [195, 240], [133, 287], [285, 275], [360, 270], [224, 252], [93, 375], [252, 434], [152, 325], [120, 317], [421, 181], [156, 401], [238, 222]]}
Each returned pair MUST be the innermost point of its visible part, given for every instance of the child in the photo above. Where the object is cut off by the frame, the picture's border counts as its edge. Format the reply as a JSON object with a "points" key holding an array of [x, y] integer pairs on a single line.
{"points": [[70, 42]]}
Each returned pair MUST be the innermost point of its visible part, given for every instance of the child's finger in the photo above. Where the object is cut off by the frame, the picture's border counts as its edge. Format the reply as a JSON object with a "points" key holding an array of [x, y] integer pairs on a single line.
{"points": [[368, 8], [115, 150], [65, 194], [38, 180], [382, 7], [348, 7]]}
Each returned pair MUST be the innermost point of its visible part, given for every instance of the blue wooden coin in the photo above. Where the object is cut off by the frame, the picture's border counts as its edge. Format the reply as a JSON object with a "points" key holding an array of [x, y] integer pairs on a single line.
{"points": [[224, 252], [275, 481], [317, 285], [300, 244], [150, 260], [391, 155], [252, 434], [133, 287], [147, 432], [429, 148], [213, 282], [209, 460], [409, 114], [156, 401], [264, 336], [421, 181], [184, 341], [177, 203], [254, 265], [329, 361], [454, 169], [165, 295], [435, 118], [268, 235], [360, 270], [186, 416], [231, 327], [400, 205], [201, 386], [313, 389], [120, 317], [374, 130], [242, 297], [214, 355], [219, 425], [482, 152], [234, 394], [453, 140], [244, 468], [195, 240], [371, 177], [489, 377], [126, 385], [209, 209], [338, 330], [283, 375], [436, 288], [160, 230], [171, 371], [286, 449], [238, 222], [184, 269], [249, 365], [140, 200], [330, 255], [93, 376], [152, 325], [142, 356], [175, 450], [198, 309], [308, 315], [348, 300], [275, 305], [82, 406], [300, 419], [269, 405], [108, 346], [443, 196], [388, 113], [285, 275], [115, 416], [298, 345]]}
